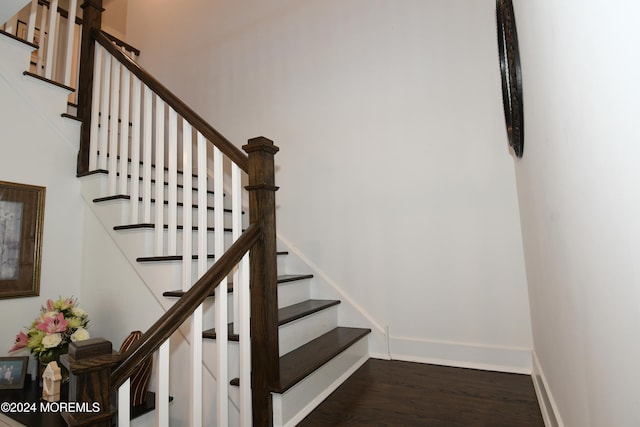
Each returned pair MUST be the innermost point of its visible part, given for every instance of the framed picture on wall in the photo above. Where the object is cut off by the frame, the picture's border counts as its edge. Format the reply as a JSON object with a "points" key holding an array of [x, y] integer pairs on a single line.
{"points": [[21, 222], [13, 371]]}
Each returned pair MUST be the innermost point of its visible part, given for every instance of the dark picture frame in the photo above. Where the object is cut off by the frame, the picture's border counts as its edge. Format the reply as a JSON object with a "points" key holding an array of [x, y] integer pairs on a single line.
{"points": [[511, 74], [21, 223], [13, 371]]}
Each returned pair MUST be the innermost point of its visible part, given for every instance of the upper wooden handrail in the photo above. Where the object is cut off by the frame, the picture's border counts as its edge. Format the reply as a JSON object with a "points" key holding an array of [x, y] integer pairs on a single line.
{"points": [[227, 148], [160, 331], [123, 44]]}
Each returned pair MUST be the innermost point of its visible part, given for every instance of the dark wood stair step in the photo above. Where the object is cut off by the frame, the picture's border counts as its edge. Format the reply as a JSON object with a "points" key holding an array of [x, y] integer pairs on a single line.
{"points": [[211, 334], [178, 293], [302, 309], [281, 279], [303, 361], [46, 80], [285, 315], [153, 181], [164, 258], [166, 226], [166, 202]]}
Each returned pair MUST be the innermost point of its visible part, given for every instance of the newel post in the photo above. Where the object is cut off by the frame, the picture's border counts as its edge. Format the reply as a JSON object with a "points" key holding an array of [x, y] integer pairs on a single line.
{"points": [[265, 365], [89, 364], [91, 18]]}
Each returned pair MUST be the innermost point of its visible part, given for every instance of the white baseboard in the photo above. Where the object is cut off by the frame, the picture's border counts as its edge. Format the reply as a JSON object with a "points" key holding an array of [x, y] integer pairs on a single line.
{"points": [[547, 404], [462, 355]]}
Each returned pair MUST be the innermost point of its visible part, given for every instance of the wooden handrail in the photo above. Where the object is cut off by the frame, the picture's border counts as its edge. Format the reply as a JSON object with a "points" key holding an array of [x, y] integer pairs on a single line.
{"points": [[234, 153], [121, 43], [160, 331]]}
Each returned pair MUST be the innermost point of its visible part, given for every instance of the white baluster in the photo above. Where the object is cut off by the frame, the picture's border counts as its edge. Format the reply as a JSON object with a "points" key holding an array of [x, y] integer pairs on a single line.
{"points": [[221, 309], [124, 399], [95, 108], [187, 203], [162, 379], [172, 163], [244, 357], [187, 250], [147, 125], [114, 113], [104, 112], [125, 95], [201, 161], [71, 26], [51, 43], [135, 151], [236, 225], [196, 368], [202, 204], [31, 25], [159, 177], [242, 309], [42, 41]]}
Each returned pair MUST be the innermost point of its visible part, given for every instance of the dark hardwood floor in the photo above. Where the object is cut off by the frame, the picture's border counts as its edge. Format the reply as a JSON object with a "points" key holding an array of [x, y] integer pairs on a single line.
{"points": [[394, 393]]}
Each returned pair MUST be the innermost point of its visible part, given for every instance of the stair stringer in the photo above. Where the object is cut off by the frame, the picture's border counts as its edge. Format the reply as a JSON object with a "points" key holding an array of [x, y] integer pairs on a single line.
{"points": [[290, 407], [349, 311]]}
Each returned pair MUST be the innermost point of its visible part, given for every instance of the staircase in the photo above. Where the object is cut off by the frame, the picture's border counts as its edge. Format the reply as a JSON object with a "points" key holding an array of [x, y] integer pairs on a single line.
{"points": [[316, 354], [172, 224]]}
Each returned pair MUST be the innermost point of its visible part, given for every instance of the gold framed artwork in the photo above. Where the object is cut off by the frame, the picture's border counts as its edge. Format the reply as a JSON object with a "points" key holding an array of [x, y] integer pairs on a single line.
{"points": [[21, 222]]}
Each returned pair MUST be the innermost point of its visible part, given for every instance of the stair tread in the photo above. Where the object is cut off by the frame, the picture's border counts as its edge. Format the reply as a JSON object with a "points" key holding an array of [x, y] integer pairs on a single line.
{"points": [[285, 315], [166, 226], [299, 363], [153, 181], [153, 200], [162, 258], [293, 277], [179, 293], [211, 333], [281, 279], [297, 311]]}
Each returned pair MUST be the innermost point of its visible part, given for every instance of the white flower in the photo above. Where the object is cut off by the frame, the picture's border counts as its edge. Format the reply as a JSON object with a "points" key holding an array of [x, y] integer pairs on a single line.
{"points": [[50, 341], [80, 334], [78, 312]]}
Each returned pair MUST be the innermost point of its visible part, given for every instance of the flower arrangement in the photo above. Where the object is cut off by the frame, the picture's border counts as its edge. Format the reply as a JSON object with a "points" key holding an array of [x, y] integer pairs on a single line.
{"points": [[59, 323]]}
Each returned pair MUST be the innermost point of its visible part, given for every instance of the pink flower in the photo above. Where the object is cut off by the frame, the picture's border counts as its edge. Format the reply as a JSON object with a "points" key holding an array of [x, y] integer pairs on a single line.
{"points": [[50, 305], [21, 342], [53, 325], [67, 304]]}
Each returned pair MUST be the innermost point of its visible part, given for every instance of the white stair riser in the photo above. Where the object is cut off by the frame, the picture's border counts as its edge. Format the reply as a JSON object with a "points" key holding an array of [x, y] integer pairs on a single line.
{"points": [[180, 176], [291, 335], [294, 334], [293, 292]]}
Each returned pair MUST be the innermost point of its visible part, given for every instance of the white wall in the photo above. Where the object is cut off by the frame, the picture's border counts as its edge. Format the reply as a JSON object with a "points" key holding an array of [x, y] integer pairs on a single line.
{"points": [[580, 204], [8, 8], [114, 18], [35, 149], [395, 176]]}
